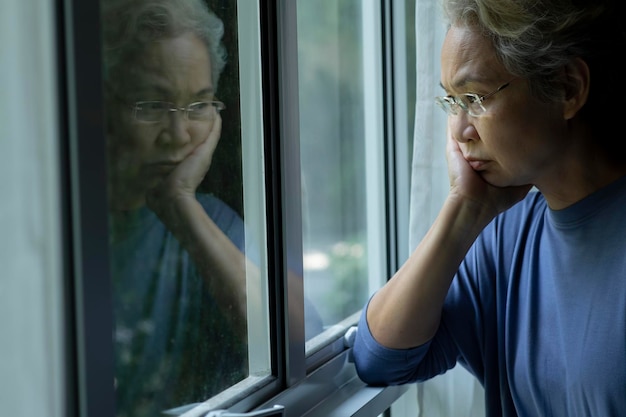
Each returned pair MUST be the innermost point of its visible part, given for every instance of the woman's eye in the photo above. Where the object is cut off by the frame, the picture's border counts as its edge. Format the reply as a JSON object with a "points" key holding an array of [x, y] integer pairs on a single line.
{"points": [[155, 105], [472, 98], [200, 106]]}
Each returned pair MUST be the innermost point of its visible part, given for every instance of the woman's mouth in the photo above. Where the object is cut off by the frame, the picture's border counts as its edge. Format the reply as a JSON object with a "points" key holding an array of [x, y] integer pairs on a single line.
{"points": [[476, 164], [164, 167]]}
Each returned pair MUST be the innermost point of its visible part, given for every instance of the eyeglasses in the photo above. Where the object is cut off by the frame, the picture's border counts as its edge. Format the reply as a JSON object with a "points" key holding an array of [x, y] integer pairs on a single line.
{"points": [[469, 102], [157, 111]]}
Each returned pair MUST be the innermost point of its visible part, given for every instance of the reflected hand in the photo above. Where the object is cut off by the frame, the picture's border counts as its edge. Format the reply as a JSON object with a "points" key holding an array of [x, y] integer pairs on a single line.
{"points": [[184, 180], [469, 185]]}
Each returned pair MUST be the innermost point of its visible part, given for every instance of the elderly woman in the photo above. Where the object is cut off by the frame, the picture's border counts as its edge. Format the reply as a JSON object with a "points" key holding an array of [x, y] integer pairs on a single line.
{"points": [[527, 290], [177, 260]]}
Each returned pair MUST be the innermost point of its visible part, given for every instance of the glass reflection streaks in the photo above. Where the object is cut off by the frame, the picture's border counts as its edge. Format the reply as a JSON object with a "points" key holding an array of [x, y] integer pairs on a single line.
{"points": [[179, 260]]}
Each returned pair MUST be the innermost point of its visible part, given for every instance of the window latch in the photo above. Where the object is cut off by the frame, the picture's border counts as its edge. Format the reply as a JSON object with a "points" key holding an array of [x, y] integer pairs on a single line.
{"points": [[276, 411], [348, 341]]}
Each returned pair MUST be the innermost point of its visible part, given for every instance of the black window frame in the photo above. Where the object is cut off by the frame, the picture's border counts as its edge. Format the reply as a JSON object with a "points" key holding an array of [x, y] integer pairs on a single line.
{"points": [[299, 383]]}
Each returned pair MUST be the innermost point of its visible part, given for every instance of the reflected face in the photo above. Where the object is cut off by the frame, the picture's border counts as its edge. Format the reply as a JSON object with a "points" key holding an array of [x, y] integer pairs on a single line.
{"points": [[142, 153], [519, 138]]}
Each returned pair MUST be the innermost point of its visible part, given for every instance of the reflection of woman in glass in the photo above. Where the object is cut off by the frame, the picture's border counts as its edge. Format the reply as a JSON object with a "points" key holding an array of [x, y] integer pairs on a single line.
{"points": [[176, 255]]}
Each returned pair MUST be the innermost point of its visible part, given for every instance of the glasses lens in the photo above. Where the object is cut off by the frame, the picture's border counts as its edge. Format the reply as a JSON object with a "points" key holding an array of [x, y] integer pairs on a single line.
{"points": [[472, 104], [447, 104], [204, 110], [151, 111]]}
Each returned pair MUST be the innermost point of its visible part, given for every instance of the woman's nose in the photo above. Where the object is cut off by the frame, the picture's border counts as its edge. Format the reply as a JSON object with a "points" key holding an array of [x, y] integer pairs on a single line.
{"points": [[175, 130], [460, 127]]}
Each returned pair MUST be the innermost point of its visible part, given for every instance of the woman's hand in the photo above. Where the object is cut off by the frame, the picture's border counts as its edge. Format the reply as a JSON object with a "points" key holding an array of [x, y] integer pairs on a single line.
{"points": [[469, 185], [184, 180]]}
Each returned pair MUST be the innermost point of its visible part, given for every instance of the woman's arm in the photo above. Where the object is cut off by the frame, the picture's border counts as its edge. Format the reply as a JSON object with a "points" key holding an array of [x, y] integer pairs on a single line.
{"points": [[406, 312], [225, 269]]}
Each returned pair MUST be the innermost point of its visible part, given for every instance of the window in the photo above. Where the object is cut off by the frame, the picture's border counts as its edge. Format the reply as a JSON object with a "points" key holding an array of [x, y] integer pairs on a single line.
{"points": [[307, 193], [341, 104], [186, 202]]}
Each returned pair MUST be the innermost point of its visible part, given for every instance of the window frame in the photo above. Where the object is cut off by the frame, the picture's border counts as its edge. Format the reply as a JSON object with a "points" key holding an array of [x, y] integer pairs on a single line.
{"points": [[299, 383], [85, 243]]}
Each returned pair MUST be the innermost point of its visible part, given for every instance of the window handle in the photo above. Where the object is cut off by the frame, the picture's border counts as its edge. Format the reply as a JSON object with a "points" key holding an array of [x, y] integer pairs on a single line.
{"points": [[348, 341], [349, 336], [276, 411]]}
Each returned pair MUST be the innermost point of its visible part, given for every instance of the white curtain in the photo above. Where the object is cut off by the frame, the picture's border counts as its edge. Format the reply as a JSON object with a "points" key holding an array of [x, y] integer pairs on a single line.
{"points": [[32, 370], [456, 393]]}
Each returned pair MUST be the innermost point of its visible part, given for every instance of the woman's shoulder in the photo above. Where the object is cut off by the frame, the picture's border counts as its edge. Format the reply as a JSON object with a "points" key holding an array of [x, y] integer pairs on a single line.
{"points": [[525, 220], [225, 217], [216, 208], [531, 207]]}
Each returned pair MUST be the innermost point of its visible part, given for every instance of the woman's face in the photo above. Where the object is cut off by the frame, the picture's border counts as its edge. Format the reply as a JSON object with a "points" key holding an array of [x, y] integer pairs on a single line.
{"points": [[519, 138], [141, 153]]}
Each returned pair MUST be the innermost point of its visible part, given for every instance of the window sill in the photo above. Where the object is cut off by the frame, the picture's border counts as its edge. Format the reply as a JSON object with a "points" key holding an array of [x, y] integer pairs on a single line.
{"points": [[335, 390]]}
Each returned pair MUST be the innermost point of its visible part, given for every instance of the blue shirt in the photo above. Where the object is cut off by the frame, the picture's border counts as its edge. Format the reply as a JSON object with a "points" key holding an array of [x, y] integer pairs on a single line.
{"points": [[172, 346], [537, 312]]}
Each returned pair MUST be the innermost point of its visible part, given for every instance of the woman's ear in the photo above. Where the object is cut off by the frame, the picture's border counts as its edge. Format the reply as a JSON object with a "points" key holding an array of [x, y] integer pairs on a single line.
{"points": [[577, 79]]}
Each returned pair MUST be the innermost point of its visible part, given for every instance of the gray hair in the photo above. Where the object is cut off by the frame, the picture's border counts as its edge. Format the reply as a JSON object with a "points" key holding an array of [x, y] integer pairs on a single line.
{"points": [[129, 25], [534, 39]]}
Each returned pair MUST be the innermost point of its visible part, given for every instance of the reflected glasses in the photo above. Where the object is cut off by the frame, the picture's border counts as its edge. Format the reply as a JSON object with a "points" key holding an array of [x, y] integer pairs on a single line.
{"points": [[157, 111], [469, 102]]}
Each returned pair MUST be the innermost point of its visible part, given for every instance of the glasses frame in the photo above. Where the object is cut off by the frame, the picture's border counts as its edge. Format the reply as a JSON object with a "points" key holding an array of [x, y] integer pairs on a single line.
{"points": [[172, 107], [451, 104]]}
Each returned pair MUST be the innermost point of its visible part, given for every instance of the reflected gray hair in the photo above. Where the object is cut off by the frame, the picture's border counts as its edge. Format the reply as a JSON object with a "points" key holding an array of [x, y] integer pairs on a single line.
{"points": [[130, 25]]}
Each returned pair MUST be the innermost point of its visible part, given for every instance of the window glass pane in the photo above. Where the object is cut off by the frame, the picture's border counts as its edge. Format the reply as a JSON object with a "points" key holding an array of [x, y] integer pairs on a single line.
{"points": [[340, 105], [187, 263]]}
